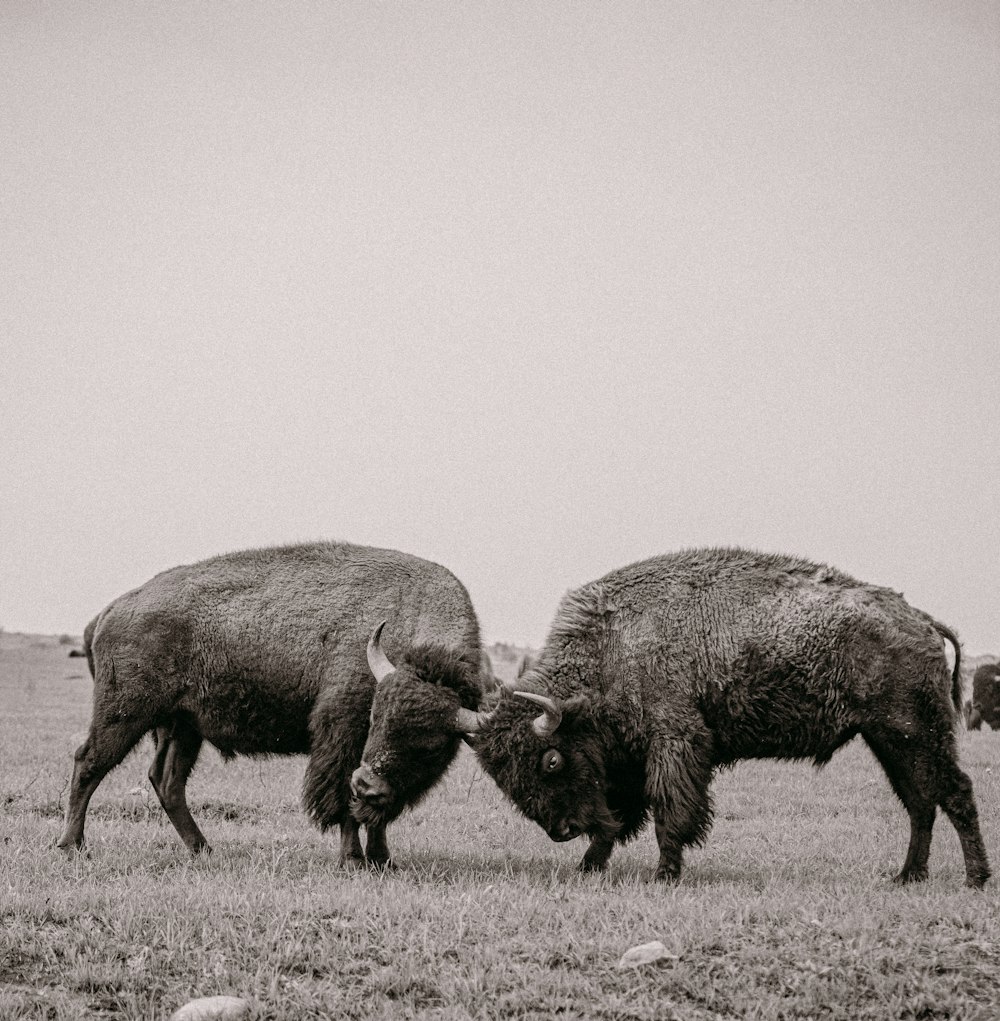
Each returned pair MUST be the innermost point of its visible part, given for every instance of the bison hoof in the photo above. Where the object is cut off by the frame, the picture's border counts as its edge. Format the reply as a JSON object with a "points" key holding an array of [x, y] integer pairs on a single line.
{"points": [[72, 847], [977, 880], [381, 864], [910, 876], [353, 862], [588, 865], [667, 873]]}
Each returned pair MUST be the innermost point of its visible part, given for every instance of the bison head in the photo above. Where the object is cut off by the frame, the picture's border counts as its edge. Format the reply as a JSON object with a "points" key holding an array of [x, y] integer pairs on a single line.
{"points": [[417, 717], [546, 755]]}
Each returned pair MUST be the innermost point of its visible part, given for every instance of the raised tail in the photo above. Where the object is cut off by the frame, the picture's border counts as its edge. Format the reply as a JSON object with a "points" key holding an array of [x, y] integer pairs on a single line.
{"points": [[88, 639], [956, 674]]}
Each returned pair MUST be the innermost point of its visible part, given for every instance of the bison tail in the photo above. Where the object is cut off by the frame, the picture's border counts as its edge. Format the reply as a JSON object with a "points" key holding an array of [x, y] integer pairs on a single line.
{"points": [[88, 641], [956, 674]]}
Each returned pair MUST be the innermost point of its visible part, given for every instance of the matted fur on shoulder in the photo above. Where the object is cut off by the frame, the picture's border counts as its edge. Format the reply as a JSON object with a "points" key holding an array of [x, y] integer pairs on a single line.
{"points": [[579, 611]]}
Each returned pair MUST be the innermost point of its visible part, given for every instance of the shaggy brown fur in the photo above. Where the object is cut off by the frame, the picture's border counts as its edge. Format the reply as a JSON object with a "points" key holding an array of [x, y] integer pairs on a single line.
{"points": [[261, 652], [669, 668], [413, 733]]}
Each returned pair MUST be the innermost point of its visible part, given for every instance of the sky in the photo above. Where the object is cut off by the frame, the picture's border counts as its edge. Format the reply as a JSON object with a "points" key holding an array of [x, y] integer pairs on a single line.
{"points": [[532, 290]]}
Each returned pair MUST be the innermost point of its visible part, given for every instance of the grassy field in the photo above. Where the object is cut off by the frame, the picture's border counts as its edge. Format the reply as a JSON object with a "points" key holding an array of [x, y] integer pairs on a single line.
{"points": [[786, 913]]}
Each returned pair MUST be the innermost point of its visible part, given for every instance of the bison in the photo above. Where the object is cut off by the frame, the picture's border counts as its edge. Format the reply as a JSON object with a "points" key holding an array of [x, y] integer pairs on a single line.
{"points": [[984, 706], [263, 652], [657, 674]]}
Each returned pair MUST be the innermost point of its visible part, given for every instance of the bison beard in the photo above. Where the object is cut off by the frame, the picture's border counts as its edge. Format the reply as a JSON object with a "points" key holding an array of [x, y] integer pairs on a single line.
{"points": [[659, 673]]}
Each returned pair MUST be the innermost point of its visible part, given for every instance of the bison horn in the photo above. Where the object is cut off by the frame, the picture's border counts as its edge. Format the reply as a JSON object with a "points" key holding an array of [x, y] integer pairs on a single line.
{"points": [[522, 686], [548, 723], [378, 661], [469, 722]]}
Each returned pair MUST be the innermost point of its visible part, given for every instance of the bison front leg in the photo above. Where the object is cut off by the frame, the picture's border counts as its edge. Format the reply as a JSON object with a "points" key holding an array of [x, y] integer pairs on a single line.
{"points": [[338, 727], [351, 854], [678, 775], [376, 846], [596, 858], [326, 800]]}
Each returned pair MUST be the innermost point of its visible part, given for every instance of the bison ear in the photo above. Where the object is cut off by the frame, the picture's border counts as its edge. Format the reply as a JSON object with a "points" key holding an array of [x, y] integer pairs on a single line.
{"points": [[527, 663], [575, 709]]}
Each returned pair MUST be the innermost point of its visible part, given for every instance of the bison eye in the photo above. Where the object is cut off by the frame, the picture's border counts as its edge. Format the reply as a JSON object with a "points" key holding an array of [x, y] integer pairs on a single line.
{"points": [[552, 761]]}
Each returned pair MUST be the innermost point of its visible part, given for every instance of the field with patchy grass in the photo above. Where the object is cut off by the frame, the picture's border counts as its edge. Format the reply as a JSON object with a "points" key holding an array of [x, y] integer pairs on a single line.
{"points": [[786, 913]]}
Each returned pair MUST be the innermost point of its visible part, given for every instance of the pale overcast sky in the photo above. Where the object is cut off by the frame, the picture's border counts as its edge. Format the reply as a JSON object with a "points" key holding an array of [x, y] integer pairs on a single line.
{"points": [[533, 290]]}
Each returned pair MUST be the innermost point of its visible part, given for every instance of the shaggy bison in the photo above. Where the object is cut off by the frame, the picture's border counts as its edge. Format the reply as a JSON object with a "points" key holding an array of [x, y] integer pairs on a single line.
{"points": [[262, 652], [984, 706], [657, 674]]}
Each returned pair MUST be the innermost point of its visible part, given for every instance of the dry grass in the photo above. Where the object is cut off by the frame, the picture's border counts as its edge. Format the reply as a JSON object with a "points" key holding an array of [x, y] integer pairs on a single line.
{"points": [[786, 913]]}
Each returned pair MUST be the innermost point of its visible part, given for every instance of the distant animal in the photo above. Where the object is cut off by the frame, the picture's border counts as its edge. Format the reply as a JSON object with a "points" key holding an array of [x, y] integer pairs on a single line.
{"points": [[973, 720], [657, 674], [263, 652], [76, 653], [984, 706]]}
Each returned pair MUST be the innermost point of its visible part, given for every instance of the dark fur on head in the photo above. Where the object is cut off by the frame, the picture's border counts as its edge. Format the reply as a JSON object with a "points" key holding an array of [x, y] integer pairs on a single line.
{"points": [[576, 800], [450, 668], [412, 739]]}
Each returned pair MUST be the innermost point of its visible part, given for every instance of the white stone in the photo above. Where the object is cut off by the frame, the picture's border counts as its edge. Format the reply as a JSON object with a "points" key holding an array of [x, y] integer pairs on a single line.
{"points": [[213, 1008], [646, 953]]}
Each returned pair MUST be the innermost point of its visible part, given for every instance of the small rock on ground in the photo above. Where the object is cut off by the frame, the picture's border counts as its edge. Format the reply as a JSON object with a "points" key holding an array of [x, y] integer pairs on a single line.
{"points": [[646, 953], [213, 1008]]}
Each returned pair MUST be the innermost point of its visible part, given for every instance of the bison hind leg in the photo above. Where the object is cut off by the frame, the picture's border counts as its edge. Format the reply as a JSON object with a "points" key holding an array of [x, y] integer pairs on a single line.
{"points": [[896, 758], [956, 798], [924, 774], [106, 745], [177, 749]]}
